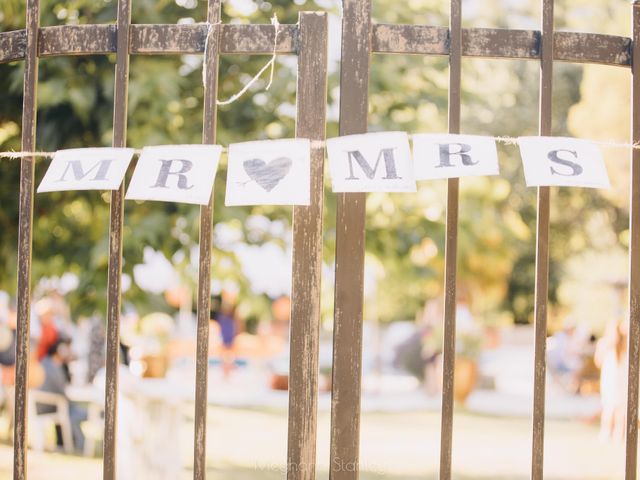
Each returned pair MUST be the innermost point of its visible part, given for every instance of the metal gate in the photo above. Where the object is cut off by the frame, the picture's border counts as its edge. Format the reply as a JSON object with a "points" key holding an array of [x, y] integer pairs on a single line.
{"points": [[308, 39]]}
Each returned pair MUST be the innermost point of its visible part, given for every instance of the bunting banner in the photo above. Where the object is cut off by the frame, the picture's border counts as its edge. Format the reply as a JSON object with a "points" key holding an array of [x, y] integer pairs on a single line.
{"points": [[277, 172]]}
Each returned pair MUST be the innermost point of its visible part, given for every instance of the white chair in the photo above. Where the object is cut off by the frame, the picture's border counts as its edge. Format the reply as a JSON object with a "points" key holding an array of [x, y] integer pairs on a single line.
{"points": [[7, 404], [38, 423], [93, 429]]}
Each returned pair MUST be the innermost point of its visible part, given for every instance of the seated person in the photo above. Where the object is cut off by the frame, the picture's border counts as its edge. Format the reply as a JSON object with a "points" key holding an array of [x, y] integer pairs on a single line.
{"points": [[56, 378]]}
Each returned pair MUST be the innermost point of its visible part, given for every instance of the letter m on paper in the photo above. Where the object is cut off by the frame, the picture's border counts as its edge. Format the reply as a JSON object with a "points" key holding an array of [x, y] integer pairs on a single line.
{"points": [[389, 165], [86, 169]]}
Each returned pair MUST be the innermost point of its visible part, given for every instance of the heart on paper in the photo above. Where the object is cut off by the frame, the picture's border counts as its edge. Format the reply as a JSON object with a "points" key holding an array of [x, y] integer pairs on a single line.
{"points": [[267, 175]]}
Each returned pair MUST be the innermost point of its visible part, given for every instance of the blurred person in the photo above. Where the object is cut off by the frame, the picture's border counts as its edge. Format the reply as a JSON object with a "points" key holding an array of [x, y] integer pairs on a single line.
{"points": [[49, 331], [8, 341], [56, 378], [611, 358], [281, 311], [227, 320], [564, 354]]}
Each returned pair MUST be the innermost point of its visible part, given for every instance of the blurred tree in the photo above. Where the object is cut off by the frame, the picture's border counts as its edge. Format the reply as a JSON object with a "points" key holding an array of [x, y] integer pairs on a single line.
{"points": [[405, 233]]}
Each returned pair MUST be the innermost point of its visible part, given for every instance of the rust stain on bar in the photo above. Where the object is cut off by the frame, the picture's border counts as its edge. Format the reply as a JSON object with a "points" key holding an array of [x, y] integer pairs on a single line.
{"points": [[25, 232], [115, 244], [307, 254]]}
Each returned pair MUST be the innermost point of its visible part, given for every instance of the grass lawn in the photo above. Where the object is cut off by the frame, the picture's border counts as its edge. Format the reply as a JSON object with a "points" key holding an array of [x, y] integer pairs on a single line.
{"points": [[251, 444]]}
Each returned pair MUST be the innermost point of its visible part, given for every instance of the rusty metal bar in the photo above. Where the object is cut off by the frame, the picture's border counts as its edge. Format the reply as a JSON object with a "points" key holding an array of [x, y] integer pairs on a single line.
{"points": [[13, 45], [576, 47], [25, 233], [115, 244], [502, 43], [210, 66], [542, 251], [307, 253], [451, 248], [235, 39], [350, 237], [66, 40], [631, 466]]}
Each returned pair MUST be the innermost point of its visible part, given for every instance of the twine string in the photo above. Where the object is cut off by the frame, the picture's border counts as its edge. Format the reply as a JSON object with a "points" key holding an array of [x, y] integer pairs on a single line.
{"points": [[270, 64], [12, 155]]}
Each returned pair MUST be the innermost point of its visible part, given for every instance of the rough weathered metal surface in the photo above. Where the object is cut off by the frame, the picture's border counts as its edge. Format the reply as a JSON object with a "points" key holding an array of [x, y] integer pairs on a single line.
{"points": [[451, 249], [240, 39], [502, 43], [150, 40], [631, 465], [350, 237], [13, 45], [307, 253], [116, 221], [410, 39], [592, 48], [77, 40], [497, 43], [542, 252], [210, 66], [258, 39], [25, 232]]}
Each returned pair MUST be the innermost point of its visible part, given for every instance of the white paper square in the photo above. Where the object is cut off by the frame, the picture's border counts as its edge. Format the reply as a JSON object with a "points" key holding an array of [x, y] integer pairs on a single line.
{"points": [[453, 156], [269, 172], [86, 169], [576, 163], [371, 162], [175, 173]]}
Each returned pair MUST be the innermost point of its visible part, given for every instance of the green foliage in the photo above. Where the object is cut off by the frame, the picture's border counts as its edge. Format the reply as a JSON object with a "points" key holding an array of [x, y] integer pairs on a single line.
{"points": [[405, 233]]}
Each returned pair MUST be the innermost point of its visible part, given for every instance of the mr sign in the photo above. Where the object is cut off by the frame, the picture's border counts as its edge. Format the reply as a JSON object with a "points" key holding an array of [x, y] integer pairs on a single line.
{"points": [[175, 173], [571, 162], [371, 162], [269, 172], [451, 156], [86, 169]]}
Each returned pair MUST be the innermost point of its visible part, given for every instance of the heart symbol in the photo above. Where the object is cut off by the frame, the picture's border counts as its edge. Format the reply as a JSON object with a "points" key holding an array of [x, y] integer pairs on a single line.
{"points": [[267, 175]]}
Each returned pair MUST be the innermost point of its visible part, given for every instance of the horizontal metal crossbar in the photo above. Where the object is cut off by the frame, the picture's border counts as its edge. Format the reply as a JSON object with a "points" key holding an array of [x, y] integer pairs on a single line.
{"points": [[149, 40], [502, 43], [258, 39]]}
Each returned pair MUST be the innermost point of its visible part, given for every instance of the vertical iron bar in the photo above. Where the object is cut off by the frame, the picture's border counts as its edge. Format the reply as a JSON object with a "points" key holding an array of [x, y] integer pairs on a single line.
{"points": [[631, 467], [29, 115], [350, 238], [307, 253], [542, 251], [115, 243], [210, 66], [451, 248]]}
